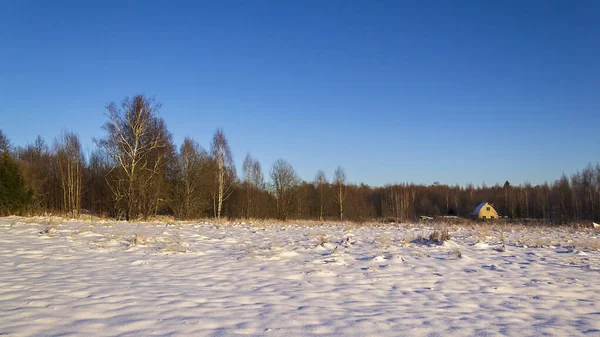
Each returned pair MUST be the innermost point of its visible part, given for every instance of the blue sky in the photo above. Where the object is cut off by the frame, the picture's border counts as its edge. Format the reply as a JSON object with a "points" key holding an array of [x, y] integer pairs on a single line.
{"points": [[394, 91]]}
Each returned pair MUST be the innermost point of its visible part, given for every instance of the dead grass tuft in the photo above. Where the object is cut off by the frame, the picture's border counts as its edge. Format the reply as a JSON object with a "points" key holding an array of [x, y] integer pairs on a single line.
{"points": [[139, 240], [384, 240], [50, 228], [322, 240], [588, 244], [439, 235], [456, 253], [172, 244]]}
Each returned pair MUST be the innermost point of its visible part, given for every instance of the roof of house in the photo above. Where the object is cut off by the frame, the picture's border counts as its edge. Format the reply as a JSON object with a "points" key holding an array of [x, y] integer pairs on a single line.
{"points": [[476, 211]]}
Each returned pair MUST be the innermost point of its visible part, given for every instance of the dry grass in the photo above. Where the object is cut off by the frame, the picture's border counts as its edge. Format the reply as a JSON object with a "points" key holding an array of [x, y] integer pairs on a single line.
{"points": [[502, 247], [161, 218], [82, 229], [456, 253], [407, 239], [419, 238], [385, 239], [322, 240], [139, 239], [588, 244], [439, 235], [172, 244], [483, 231], [50, 227], [535, 241], [501, 234], [292, 222]]}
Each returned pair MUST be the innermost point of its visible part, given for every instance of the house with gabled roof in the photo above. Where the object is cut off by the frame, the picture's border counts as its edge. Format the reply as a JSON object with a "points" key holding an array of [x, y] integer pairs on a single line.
{"points": [[485, 211]]}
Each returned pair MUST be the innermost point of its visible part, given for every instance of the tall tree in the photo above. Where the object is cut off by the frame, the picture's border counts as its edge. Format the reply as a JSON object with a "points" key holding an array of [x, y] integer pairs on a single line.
{"points": [[13, 194], [258, 180], [193, 163], [258, 186], [137, 140], [71, 164], [97, 192], [42, 176], [247, 168], [224, 173], [253, 183], [4, 143], [339, 177], [284, 182], [320, 182]]}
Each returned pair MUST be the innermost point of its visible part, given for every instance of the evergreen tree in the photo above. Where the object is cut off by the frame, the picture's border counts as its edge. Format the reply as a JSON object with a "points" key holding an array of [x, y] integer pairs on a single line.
{"points": [[13, 195]]}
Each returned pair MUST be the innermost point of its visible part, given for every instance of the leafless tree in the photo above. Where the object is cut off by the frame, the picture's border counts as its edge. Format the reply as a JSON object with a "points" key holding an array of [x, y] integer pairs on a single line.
{"points": [[320, 183], [42, 176], [4, 142], [71, 164], [193, 167], [136, 141], [258, 185], [97, 194], [284, 183], [247, 167], [258, 180], [253, 183], [136, 171], [339, 177], [224, 173]]}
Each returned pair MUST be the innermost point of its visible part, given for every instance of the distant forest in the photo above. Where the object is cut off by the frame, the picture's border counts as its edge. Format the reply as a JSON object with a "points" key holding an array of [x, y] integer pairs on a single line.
{"points": [[136, 172]]}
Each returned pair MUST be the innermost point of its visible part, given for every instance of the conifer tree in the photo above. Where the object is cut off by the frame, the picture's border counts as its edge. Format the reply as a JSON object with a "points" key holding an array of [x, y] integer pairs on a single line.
{"points": [[13, 195]]}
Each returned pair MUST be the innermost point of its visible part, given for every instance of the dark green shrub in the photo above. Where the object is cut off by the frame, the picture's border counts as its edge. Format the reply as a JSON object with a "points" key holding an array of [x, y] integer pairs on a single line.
{"points": [[13, 195]]}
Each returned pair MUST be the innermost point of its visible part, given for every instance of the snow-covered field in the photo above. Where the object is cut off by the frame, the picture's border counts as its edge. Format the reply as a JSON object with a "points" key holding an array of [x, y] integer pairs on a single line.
{"points": [[83, 278]]}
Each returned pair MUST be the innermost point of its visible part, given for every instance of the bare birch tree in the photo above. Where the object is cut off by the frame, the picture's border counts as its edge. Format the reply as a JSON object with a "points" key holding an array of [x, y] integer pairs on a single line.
{"points": [[136, 139], [247, 167], [224, 173], [71, 165], [192, 170], [258, 185], [253, 183], [4, 143], [258, 180], [320, 182], [339, 177]]}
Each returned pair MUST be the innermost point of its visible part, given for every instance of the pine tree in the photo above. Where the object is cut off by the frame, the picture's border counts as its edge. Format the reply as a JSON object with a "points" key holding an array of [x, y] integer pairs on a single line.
{"points": [[13, 195]]}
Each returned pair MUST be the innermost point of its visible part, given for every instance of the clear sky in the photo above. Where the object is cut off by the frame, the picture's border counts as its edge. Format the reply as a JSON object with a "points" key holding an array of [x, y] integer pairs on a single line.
{"points": [[394, 91]]}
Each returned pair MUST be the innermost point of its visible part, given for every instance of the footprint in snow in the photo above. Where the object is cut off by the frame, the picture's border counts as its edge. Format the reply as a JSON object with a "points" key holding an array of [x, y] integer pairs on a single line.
{"points": [[490, 267]]}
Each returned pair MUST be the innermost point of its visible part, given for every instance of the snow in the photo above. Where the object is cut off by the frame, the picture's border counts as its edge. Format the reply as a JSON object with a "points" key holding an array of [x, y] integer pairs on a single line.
{"points": [[75, 278]]}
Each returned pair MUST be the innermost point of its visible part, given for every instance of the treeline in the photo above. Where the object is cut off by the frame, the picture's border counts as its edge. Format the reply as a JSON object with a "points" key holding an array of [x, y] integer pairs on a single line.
{"points": [[136, 171]]}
